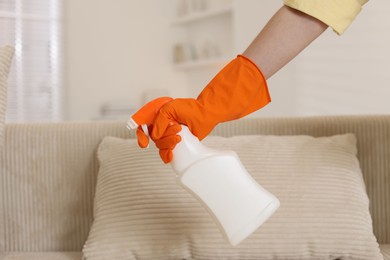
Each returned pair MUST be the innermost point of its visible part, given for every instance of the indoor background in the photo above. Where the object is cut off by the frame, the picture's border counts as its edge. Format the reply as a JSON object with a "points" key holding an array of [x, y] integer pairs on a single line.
{"points": [[78, 60]]}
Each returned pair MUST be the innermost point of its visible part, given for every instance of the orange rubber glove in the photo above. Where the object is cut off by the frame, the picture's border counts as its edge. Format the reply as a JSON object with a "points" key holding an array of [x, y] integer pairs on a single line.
{"points": [[236, 91]]}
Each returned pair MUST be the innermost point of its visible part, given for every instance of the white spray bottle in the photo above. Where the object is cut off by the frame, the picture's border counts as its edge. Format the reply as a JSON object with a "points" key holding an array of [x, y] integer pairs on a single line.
{"points": [[217, 179]]}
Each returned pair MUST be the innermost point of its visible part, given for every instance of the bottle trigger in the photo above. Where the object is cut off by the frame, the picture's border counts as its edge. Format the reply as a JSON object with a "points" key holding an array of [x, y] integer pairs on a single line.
{"points": [[145, 129]]}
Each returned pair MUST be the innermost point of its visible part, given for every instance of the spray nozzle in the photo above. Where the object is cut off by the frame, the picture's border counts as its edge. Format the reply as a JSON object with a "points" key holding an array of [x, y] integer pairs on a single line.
{"points": [[147, 113], [145, 116]]}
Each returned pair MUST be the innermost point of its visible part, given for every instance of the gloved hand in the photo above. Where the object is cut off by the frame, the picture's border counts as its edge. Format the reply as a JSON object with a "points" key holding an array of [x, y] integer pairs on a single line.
{"points": [[236, 91]]}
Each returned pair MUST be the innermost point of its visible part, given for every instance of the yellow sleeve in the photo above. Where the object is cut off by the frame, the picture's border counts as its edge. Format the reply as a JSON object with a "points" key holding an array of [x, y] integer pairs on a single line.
{"points": [[338, 14]]}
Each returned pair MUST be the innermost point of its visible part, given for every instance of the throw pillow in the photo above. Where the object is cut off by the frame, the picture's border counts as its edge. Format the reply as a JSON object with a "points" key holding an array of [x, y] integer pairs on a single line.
{"points": [[141, 213]]}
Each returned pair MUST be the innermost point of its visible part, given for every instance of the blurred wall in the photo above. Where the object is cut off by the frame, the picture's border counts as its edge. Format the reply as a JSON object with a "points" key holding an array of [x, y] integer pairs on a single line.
{"points": [[348, 74], [115, 50]]}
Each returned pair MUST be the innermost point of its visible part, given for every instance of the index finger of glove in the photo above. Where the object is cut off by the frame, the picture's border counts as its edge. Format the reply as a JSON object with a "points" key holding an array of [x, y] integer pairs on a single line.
{"points": [[170, 138], [143, 139], [160, 125]]}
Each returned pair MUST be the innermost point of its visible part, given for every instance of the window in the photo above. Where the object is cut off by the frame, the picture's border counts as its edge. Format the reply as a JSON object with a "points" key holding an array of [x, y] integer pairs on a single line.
{"points": [[33, 27]]}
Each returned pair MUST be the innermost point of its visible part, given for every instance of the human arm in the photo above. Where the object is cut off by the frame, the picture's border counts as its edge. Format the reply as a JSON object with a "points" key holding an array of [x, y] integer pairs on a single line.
{"points": [[286, 34], [295, 26], [240, 88], [337, 14]]}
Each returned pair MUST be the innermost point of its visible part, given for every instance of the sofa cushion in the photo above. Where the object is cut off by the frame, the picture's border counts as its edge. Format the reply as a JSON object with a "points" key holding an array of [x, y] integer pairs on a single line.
{"points": [[6, 53], [141, 213], [41, 256]]}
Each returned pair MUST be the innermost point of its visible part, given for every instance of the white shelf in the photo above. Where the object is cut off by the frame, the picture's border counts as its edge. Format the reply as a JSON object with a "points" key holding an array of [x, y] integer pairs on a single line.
{"points": [[201, 63], [199, 16]]}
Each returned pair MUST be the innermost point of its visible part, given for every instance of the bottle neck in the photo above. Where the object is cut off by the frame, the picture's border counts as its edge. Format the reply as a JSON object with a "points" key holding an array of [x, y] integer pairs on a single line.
{"points": [[189, 151]]}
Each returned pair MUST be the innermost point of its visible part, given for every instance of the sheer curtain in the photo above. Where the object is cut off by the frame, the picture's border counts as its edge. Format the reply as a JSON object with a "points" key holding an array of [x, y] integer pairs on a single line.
{"points": [[34, 28]]}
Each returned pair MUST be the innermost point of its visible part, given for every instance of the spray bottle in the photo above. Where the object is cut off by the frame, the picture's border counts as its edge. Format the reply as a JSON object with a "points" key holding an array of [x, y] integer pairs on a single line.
{"points": [[217, 179]]}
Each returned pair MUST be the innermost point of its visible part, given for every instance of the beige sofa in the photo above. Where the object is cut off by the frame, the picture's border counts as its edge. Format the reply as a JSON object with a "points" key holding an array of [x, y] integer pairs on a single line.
{"points": [[48, 176], [49, 173]]}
